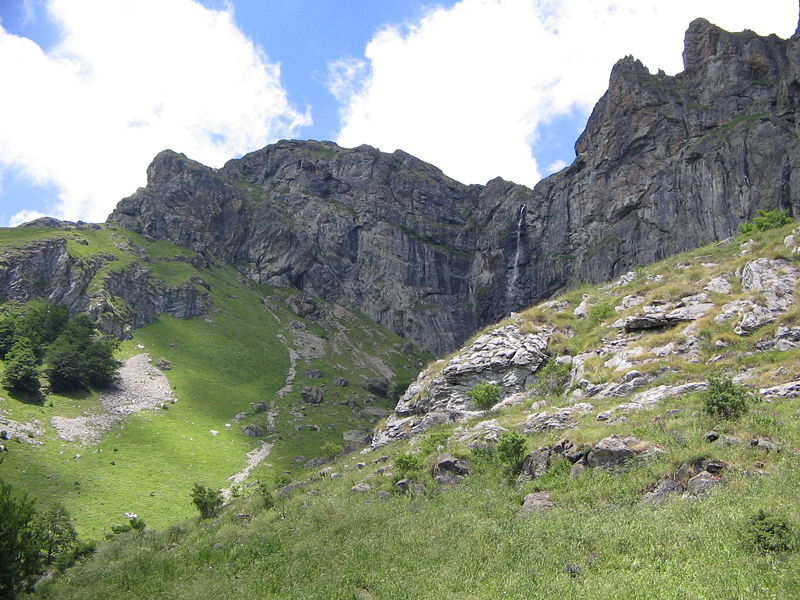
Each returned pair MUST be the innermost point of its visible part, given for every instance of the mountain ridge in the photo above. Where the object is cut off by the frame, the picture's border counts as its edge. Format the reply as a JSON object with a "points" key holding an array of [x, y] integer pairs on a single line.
{"points": [[666, 163]]}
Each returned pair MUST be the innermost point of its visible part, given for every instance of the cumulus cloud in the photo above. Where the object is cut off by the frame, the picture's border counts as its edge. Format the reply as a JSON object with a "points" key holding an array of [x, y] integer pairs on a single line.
{"points": [[128, 79], [24, 216], [468, 87]]}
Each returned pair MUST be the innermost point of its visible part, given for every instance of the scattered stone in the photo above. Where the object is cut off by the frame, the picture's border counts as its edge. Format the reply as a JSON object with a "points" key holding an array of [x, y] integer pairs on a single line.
{"points": [[381, 459], [663, 490], [629, 302], [535, 464], [713, 466], [582, 310], [357, 436], [449, 470], [252, 430], [402, 485], [719, 285], [361, 488], [315, 463], [785, 390], [259, 407], [764, 444], [378, 386], [306, 427], [311, 395], [573, 570], [289, 488], [299, 459], [361, 465], [340, 381], [576, 470], [419, 489], [376, 411], [243, 516], [712, 436], [312, 373], [614, 450], [702, 482], [164, 364], [539, 501], [383, 494]]}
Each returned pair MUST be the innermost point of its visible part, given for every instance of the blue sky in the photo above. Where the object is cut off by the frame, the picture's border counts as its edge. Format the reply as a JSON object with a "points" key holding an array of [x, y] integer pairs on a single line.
{"points": [[93, 89]]}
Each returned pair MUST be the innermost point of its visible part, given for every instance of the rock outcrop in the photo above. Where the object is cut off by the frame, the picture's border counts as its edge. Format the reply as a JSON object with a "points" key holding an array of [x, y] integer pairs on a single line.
{"points": [[504, 357], [119, 299], [665, 163]]}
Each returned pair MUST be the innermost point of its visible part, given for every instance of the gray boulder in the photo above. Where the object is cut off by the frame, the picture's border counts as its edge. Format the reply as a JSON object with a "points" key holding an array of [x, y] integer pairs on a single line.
{"points": [[253, 430], [535, 464], [537, 502], [311, 395], [449, 470]]}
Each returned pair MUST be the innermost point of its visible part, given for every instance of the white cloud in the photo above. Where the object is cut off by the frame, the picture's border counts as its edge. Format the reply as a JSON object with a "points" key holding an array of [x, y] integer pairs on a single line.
{"points": [[128, 79], [555, 166], [467, 87], [24, 216]]}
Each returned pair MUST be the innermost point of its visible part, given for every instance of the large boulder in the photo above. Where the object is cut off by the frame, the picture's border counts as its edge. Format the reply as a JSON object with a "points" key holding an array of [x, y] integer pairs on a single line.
{"points": [[614, 451], [536, 502], [312, 395]]}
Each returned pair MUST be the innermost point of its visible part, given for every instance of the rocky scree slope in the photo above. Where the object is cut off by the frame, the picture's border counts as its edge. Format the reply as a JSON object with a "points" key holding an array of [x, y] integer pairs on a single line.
{"points": [[605, 352], [665, 164]]}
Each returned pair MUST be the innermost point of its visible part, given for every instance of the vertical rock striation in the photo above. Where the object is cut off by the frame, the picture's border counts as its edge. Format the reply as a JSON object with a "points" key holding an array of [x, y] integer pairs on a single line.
{"points": [[665, 163]]}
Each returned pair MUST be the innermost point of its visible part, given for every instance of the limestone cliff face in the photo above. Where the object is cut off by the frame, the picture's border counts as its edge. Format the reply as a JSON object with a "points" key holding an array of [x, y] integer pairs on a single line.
{"points": [[119, 301], [665, 164]]}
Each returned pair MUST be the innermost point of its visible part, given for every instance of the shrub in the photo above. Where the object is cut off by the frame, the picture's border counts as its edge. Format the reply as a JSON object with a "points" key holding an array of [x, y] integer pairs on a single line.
{"points": [[484, 394], [431, 442], [511, 450], [771, 533], [726, 400], [600, 311], [266, 496], [552, 378], [407, 463], [207, 501], [19, 547], [331, 449], [766, 219], [21, 371], [56, 533]]}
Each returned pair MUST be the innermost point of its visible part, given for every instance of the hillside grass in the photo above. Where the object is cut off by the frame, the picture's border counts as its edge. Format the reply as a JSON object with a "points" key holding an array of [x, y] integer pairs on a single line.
{"points": [[221, 364]]}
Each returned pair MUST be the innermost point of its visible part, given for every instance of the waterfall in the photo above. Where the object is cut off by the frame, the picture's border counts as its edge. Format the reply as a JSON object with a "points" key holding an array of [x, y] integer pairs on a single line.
{"points": [[518, 254]]}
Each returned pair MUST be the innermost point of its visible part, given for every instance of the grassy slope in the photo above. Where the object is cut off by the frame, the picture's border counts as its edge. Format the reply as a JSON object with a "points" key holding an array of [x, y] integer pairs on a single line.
{"points": [[221, 364], [467, 542]]}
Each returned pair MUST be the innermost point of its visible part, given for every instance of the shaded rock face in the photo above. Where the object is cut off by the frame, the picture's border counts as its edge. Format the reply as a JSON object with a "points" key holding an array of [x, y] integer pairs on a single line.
{"points": [[665, 163], [44, 269]]}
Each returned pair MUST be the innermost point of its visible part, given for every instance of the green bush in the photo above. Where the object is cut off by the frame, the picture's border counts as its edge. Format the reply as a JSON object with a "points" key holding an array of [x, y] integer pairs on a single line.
{"points": [[766, 219], [266, 496], [771, 533], [20, 551], [511, 449], [724, 399], [207, 501], [484, 394], [601, 311], [551, 379], [407, 463], [431, 442], [21, 370], [55, 531], [331, 449]]}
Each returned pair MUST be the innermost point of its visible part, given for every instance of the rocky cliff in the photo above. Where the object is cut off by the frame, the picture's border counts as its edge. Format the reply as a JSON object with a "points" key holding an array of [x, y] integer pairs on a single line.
{"points": [[116, 289], [665, 164]]}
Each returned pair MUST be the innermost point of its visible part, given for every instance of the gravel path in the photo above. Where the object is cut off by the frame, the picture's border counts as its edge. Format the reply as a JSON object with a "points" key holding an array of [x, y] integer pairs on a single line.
{"points": [[140, 386]]}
